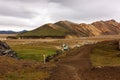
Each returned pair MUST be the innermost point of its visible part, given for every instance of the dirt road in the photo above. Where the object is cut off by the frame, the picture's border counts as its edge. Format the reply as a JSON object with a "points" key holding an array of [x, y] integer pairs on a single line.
{"points": [[79, 67]]}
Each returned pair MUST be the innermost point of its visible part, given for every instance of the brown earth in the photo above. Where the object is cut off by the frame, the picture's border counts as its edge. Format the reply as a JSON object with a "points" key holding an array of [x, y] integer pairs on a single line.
{"points": [[77, 66], [12, 69]]}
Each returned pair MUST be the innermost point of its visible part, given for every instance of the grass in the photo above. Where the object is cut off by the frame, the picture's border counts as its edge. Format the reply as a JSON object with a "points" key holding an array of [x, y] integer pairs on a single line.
{"points": [[33, 54], [106, 54], [34, 50]]}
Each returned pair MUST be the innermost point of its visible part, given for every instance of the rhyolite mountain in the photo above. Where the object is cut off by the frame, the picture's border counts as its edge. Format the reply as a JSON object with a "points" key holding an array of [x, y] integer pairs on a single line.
{"points": [[67, 29]]}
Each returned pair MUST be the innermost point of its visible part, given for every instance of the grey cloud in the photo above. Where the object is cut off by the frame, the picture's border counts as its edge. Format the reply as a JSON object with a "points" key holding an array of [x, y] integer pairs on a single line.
{"points": [[12, 21], [16, 10], [17, 13], [27, 1], [33, 13], [90, 9]]}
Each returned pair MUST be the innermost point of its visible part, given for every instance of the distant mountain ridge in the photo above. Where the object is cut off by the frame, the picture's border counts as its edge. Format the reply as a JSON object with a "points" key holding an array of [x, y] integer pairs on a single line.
{"points": [[69, 29], [11, 32]]}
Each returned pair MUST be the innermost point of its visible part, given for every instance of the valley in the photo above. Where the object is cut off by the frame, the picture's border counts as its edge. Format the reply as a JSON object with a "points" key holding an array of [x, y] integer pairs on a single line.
{"points": [[31, 51]]}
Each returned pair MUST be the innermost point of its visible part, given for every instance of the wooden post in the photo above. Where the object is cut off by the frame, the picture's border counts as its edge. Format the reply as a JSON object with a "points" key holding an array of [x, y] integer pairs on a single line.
{"points": [[44, 58]]}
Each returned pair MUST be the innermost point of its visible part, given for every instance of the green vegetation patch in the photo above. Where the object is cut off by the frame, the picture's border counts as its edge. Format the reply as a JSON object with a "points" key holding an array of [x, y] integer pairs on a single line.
{"points": [[33, 51], [33, 54]]}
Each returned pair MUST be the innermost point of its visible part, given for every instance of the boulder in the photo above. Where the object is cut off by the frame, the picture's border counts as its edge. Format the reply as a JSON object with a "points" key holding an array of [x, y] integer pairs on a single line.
{"points": [[5, 50]]}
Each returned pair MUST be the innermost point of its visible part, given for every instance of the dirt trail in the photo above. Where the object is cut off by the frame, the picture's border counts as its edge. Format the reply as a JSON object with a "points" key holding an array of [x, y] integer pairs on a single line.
{"points": [[68, 69], [79, 67], [67, 73]]}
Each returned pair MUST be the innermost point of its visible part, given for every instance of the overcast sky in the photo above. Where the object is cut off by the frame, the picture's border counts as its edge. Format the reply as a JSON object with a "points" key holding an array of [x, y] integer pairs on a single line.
{"points": [[29, 14]]}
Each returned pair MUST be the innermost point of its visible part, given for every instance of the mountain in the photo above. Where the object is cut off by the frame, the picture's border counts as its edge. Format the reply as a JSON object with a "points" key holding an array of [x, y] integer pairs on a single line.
{"points": [[22, 31], [7, 32], [67, 29], [107, 27], [11, 32]]}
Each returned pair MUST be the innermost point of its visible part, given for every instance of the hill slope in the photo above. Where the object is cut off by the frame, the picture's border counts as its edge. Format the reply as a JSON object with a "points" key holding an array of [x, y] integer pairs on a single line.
{"points": [[63, 29]]}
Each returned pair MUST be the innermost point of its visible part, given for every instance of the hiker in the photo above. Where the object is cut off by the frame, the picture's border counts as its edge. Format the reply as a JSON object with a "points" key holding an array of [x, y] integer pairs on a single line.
{"points": [[65, 47]]}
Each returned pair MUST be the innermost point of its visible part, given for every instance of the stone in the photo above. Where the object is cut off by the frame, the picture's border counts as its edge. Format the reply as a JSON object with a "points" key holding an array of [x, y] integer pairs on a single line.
{"points": [[5, 50]]}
